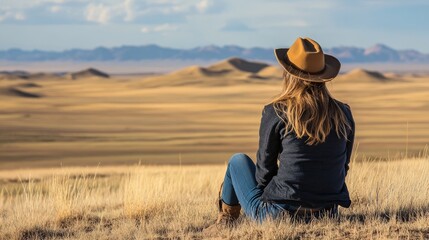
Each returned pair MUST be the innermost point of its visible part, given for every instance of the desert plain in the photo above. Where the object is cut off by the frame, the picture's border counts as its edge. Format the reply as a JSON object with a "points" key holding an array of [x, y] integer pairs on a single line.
{"points": [[193, 115]]}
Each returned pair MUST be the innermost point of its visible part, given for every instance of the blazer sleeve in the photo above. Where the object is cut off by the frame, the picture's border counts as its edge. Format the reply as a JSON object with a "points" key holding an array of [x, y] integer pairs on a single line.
{"points": [[350, 137], [269, 146]]}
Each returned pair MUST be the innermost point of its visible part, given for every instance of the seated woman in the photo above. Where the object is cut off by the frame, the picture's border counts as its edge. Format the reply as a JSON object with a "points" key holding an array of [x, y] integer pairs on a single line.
{"points": [[311, 135]]}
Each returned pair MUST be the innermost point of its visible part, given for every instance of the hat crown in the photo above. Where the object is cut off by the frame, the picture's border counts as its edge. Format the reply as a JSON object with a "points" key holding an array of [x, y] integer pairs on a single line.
{"points": [[306, 55]]}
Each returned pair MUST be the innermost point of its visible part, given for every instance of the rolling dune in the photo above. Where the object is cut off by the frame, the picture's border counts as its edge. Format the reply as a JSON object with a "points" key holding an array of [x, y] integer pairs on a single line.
{"points": [[195, 115]]}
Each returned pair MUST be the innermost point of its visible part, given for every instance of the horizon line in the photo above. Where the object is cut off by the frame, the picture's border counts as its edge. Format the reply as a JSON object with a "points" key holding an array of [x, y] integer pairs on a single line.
{"points": [[196, 47]]}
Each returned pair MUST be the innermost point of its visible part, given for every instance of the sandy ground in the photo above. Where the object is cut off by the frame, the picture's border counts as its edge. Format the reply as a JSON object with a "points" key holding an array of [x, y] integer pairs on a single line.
{"points": [[191, 116]]}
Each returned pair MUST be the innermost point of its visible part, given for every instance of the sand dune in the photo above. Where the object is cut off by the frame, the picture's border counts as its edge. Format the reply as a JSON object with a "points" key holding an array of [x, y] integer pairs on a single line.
{"points": [[16, 92], [89, 72], [228, 67], [393, 75], [41, 76], [271, 72], [202, 114], [365, 75], [197, 71], [223, 73], [238, 64], [28, 85]]}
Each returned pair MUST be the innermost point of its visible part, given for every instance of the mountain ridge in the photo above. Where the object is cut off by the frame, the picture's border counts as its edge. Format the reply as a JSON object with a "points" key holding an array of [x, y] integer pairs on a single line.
{"points": [[378, 53]]}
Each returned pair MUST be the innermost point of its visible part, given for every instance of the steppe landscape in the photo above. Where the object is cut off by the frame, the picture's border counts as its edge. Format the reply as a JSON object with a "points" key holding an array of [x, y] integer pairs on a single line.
{"points": [[193, 115], [87, 155]]}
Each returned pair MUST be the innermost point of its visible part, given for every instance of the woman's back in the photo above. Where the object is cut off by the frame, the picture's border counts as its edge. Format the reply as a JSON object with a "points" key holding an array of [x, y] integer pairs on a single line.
{"points": [[309, 175]]}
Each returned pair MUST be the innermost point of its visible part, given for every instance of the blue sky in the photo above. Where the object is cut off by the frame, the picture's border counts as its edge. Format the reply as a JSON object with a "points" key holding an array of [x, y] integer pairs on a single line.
{"points": [[66, 24]]}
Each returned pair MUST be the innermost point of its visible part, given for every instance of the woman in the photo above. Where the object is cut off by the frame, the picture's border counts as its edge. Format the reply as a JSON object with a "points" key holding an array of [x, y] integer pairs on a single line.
{"points": [[311, 135]]}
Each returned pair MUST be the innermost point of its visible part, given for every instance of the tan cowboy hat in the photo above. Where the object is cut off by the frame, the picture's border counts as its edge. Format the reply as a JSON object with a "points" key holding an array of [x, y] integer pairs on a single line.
{"points": [[305, 60]]}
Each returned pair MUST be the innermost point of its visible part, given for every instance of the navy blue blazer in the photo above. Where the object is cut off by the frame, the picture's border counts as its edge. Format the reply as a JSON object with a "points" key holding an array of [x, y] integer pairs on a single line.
{"points": [[310, 176]]}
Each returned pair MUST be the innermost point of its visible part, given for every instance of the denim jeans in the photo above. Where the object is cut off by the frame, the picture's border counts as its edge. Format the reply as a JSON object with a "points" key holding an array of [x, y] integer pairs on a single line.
{"points": [[240, 187]]}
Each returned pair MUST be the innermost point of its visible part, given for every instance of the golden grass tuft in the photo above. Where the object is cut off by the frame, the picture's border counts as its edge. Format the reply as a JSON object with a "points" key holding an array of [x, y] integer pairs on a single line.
{"points": [[390, 200]]}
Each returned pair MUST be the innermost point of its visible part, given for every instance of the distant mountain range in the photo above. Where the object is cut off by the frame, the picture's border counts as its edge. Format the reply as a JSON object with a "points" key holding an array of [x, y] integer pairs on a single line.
{"points": [[377, 53]]}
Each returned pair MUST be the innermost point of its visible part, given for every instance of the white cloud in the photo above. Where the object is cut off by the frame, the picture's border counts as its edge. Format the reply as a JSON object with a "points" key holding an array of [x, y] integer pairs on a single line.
{"points": [[97, 13], [179, 9], [107, 11], [210, 6], [203, 5], [55, 8], [129, 10], [145, 29], [149, 12], [19, 16], [159, 28]]}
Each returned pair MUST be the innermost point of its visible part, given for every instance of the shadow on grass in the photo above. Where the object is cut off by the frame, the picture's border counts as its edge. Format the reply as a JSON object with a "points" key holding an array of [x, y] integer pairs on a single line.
{"points": [[67, 227], [87, 223], [40, 233], [403, 215]]}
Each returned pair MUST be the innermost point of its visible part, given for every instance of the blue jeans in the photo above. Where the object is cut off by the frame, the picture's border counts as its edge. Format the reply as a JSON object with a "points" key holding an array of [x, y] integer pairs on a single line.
{"points": [[240, 187]]}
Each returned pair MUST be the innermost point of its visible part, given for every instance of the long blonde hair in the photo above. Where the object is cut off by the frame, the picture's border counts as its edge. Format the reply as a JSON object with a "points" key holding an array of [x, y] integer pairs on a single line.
{"points": [[308, 109]]}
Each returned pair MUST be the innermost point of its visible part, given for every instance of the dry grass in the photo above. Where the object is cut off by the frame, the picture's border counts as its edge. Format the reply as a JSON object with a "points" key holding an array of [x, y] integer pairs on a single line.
{"points": [[390, 201]]}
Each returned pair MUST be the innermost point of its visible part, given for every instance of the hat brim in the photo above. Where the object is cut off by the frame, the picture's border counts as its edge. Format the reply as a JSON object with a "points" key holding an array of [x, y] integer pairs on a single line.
{"points": [[331, 70]]}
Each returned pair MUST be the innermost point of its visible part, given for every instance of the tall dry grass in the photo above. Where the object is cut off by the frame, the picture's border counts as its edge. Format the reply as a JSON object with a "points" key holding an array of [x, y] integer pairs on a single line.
{"points": [[390, 201]]}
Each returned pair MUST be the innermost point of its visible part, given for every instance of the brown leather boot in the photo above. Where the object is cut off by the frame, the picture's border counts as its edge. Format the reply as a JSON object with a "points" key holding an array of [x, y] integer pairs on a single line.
{"points": [[225, 219], [226, 216]]}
